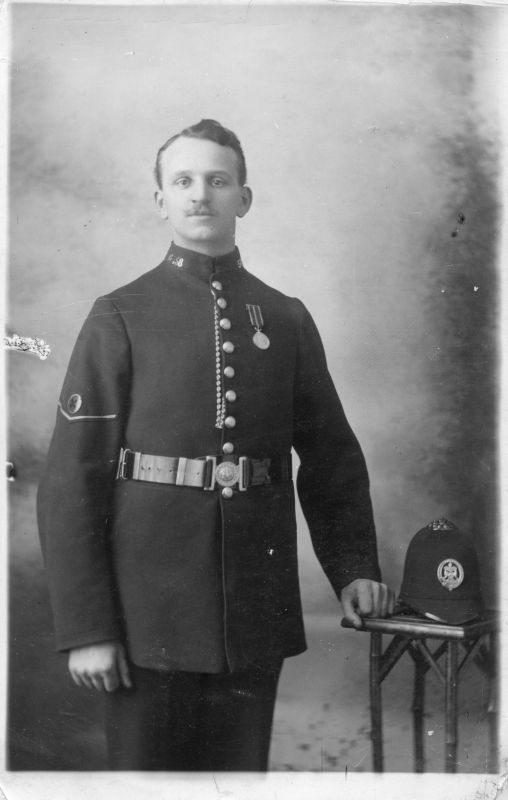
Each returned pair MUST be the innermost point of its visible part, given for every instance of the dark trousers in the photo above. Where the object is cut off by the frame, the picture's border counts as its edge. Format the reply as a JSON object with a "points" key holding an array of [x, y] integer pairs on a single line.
{"points": [[192, 721]]}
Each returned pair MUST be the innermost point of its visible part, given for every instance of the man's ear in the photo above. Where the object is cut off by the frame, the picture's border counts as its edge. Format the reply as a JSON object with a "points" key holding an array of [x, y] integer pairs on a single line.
{"points": [[245, 202], [161, 205]]}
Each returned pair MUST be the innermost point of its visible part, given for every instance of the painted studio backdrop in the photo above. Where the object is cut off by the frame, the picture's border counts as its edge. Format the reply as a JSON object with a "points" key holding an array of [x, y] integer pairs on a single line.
{"points": [[371, 138]]}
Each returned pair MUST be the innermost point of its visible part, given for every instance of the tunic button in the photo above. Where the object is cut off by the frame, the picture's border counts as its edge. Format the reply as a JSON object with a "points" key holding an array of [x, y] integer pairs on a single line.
{"points": [[222, 302], [228, 347], [74, 403], [230, 396], [227, 492], [228, 447], [230, 422], [217, 285], [229, 372], [225, 324]]}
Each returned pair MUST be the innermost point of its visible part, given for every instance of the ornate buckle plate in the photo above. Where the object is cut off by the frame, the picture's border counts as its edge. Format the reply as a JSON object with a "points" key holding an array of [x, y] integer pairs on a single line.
{"points": [[227, 473]]}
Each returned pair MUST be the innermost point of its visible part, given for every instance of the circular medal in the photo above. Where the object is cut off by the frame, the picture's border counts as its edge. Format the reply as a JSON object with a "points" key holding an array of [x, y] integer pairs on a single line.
{"points": [[261, 340]]}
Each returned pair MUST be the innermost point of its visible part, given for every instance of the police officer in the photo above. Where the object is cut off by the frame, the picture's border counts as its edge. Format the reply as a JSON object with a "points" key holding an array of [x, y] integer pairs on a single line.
{"points": [[166, 511]]}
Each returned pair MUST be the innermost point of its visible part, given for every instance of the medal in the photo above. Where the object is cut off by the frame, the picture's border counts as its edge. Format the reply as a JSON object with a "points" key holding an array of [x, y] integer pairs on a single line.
{"points": [[260, 339]]}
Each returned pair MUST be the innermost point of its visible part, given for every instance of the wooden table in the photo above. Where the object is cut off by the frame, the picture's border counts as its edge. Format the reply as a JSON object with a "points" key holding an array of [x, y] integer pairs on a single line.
{"points": [[478, 640]]}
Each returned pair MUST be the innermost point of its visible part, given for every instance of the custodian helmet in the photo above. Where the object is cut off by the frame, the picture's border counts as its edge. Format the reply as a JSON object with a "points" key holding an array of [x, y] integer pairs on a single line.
{"points": [[442, 575]]}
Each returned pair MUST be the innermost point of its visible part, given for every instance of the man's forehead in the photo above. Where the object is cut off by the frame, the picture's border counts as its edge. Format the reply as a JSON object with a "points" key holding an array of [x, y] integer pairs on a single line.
{"points": [[199, 155]]}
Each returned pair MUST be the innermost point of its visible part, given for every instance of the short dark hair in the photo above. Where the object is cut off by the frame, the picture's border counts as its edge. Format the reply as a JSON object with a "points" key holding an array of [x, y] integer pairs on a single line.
{"points": [[215, 132]]}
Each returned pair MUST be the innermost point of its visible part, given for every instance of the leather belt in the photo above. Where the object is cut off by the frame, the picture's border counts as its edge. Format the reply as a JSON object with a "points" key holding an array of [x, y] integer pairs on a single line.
{"points": [[207, 472]]}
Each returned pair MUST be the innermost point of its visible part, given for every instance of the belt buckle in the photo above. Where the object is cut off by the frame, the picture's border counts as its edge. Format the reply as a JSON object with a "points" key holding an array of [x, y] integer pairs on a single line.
{"points": [[123, 463], [227, 473], [210, 468], [243, 479]]}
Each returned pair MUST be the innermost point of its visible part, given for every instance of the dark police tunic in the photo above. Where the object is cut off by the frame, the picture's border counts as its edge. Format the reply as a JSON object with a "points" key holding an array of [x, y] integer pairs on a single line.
{"points": [[191, 579]]}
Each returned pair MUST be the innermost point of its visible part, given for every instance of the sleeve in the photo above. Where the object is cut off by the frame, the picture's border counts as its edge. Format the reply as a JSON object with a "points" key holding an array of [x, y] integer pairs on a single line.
{"points": [[76, 492], [332, 481]]}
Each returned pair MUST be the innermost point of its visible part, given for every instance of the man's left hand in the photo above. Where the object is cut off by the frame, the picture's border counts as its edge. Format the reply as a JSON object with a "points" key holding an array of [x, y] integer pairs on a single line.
{"points": [[366, 598]]}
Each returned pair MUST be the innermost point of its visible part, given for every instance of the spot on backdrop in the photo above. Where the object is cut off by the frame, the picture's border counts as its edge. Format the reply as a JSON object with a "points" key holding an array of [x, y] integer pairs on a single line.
{"points": [[371, 141]]}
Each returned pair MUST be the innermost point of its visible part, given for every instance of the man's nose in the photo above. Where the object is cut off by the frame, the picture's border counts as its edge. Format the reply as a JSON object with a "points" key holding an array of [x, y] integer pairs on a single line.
{"points": [[200, 191]]}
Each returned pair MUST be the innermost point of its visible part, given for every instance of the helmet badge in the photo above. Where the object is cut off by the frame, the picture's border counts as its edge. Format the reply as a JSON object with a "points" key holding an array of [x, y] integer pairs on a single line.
{"points": [[450, 573]]}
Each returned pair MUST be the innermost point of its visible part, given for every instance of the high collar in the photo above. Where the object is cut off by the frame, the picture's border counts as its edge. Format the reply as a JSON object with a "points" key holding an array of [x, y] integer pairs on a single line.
{"points": [[201, 265]]}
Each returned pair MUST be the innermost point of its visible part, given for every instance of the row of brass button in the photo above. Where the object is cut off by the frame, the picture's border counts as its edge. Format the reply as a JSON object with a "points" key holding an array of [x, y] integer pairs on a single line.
{"points": [[229, 372]]}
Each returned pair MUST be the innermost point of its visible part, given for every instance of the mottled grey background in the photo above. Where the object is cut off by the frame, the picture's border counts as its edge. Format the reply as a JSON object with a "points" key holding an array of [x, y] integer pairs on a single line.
{"points": [[371, 137]]}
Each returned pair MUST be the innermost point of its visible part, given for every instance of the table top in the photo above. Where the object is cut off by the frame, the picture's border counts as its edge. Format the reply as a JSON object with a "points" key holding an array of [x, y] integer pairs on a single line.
{"points": [[421, 628]]}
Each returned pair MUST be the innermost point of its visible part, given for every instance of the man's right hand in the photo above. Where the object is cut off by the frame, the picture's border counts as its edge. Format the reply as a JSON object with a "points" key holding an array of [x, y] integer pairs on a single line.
{"points": [[100, 666]]}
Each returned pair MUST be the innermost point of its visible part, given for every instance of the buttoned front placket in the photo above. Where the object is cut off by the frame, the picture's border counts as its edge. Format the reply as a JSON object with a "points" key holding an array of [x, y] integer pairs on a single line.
{"points": [[225, 371], [225, 421]]}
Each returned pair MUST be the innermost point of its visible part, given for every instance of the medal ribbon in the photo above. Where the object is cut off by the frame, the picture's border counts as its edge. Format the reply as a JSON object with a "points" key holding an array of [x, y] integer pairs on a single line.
{"points": [[255, 316]]}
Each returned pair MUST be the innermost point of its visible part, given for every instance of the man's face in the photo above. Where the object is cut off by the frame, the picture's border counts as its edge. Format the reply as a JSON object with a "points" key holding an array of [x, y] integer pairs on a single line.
{"points": [[201, 195]]}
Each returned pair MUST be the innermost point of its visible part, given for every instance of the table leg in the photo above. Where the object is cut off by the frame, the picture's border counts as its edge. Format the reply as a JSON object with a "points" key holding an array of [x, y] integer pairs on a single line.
{"points": [[376, 646], [451, 706], [418, 710], [492, 715]]}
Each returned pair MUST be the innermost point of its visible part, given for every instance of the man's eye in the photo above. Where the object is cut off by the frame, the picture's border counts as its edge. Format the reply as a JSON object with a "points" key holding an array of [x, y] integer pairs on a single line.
{"points": [[182, 182], [218, 182]]}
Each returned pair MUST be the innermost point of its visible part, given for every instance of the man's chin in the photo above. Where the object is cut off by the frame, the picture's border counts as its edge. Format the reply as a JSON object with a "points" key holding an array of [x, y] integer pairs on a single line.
{"points": [[203, 226], [202, 238], [205, 233]]}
